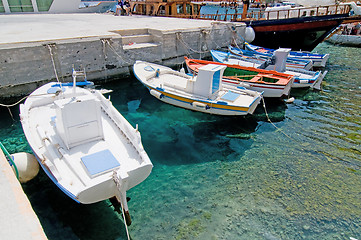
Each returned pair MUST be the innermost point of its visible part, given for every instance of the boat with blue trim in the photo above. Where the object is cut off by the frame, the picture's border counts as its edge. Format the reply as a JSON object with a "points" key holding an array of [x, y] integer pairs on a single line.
{"points": [[302, 78], [85, 146], [255, 56], [204, 92], [318, 60]]}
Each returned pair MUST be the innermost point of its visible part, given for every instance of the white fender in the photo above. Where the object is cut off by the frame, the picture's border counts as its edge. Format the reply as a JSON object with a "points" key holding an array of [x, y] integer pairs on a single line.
{"points": [[199, 105], [156, 94], [27, 165], [290, 100], [249, 34]]}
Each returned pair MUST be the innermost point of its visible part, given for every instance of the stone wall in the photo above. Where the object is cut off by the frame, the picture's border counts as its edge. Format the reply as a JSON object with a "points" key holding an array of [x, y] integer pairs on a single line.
{"points": [[25, 66]]}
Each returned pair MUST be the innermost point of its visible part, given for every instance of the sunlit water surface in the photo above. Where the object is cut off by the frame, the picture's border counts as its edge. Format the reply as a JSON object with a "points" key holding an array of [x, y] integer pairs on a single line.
{"points": [[228, 177]]}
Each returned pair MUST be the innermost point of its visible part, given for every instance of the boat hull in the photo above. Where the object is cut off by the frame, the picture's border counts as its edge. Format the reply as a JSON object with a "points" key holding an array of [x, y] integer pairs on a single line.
{"points": [[309, 80], [268, 91], [82, 165], [302, 78], [345, 40], [177, 89], [290, 62], [318, 60], [273, 90], [303, 33], [204, 106]]}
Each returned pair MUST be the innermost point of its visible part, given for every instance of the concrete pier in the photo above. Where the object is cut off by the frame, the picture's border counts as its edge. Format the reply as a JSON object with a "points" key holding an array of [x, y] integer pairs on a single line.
{"points": [[36, 48], [18, 220]]}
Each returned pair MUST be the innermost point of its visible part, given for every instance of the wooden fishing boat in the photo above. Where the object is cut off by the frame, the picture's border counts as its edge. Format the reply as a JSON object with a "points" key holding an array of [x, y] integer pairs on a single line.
{"points": [[290, 61], [302, 78], [204, 92], [318, 60], [271, 83], [85, 146]]}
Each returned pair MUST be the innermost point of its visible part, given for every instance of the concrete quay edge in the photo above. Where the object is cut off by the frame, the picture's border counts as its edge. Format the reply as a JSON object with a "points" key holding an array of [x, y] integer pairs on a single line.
{"points": [[18, 220]]}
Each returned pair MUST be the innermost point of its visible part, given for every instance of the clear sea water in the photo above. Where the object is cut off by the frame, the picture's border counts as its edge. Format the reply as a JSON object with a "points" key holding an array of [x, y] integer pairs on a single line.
{"points": [[220, 177]]}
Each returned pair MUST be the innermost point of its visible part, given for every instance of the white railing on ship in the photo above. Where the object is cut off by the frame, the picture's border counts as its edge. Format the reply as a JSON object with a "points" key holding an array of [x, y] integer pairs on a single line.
{"points": [[279, 14]]}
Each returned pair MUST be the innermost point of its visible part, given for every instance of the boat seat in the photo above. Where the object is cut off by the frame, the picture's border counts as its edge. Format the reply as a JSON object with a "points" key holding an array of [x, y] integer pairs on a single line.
{"points": [[230, 96], [256, 78], [78, 120], [99, 162]]}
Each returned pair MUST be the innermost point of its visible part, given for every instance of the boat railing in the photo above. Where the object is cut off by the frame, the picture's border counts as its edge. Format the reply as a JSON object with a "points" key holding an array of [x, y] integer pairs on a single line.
{"points": [[147, 1], [269, 14]]}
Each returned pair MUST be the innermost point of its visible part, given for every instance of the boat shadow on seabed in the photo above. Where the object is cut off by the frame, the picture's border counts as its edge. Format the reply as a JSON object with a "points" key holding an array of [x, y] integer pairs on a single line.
{"points": [[196, 137]]}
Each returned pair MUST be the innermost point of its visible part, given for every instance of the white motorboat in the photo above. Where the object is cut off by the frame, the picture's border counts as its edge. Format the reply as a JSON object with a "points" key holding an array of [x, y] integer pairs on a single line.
{"points": [[204, 92], [85, 146]]}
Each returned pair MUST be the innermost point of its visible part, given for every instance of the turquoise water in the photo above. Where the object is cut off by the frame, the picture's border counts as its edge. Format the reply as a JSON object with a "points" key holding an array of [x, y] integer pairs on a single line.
{"points": [[228, 177]]}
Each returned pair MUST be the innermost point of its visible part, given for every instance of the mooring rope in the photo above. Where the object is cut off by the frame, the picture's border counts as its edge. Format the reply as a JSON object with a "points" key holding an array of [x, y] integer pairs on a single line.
{"points": [[180, 38], [269, 120], [184, 46], [233, 29], [235, 42], [52, 60], [14, 104], [213, 41], [106, 41], [117, 183]]}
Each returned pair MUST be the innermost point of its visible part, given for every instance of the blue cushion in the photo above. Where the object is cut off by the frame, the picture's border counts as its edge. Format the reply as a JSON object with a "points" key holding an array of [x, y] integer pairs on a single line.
{"points": [[99, 162], [230, 96]]}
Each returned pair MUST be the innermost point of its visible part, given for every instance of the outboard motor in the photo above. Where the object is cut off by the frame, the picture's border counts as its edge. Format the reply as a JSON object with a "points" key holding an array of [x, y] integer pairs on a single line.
{"points": [[278, 61], [269, 62], [281, 56]]}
